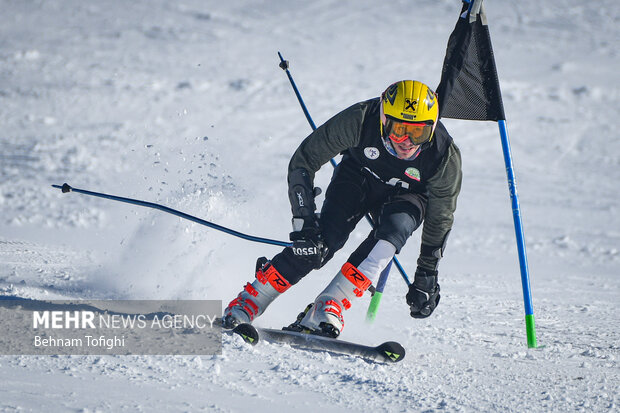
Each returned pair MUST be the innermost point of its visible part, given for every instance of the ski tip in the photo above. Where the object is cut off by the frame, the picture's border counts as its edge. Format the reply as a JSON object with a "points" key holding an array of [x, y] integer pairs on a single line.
{"points": [[247, 332], [392, 351]]}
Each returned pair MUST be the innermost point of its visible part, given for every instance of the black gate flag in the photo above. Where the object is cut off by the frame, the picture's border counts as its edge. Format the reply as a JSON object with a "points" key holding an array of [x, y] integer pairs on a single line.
{"points": [[469, 87]]}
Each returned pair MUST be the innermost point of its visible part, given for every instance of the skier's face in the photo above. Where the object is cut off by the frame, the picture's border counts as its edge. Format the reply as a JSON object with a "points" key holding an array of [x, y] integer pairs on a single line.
{"points": [[406, 137], [405, 149]]}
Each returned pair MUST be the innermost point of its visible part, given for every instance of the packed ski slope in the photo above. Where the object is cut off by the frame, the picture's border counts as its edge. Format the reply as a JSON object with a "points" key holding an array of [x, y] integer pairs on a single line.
{"points": [[183, 103]]}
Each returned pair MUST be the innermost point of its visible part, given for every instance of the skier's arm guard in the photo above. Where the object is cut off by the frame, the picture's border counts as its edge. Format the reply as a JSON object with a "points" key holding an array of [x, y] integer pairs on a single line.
{"points": [[443, 190], [301, 195], [430, 254]]}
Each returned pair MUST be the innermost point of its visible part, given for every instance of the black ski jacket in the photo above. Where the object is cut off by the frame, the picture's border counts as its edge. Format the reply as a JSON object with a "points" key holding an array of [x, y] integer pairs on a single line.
{"points": [[435, 172]]}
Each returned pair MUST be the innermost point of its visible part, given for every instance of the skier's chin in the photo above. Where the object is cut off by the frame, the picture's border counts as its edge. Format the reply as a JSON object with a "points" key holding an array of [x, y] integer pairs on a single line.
{"points": [[405, 153]]}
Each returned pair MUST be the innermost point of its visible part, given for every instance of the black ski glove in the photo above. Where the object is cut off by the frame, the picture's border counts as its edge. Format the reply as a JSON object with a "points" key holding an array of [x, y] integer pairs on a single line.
{"points": [[308, 244], [423, 295]]}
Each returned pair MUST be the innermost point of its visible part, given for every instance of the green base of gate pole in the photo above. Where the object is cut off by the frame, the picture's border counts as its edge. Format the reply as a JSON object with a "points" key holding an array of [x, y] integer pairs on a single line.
{"points": [[530, 327], [373, 307]]}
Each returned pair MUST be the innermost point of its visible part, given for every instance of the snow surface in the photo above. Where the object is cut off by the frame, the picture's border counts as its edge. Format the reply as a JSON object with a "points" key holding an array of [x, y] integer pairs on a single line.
{"points": [[183, 103]]}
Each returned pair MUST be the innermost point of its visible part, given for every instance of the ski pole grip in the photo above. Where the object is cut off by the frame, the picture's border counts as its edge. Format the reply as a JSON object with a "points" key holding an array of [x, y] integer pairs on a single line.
{"points": [[64, 188], [283, 63]]}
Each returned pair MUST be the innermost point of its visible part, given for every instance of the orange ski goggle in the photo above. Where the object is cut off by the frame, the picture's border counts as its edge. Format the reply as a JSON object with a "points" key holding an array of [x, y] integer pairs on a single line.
{"points": [[417, 132]]}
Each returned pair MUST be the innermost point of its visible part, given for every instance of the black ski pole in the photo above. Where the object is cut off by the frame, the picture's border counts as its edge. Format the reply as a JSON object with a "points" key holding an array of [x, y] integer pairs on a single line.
{"points": [[284, 66], [66, 188]]}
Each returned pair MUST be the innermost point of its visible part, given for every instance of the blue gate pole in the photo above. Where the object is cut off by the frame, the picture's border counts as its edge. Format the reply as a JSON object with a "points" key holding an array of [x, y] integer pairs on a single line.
{"points": [[516, 213]]}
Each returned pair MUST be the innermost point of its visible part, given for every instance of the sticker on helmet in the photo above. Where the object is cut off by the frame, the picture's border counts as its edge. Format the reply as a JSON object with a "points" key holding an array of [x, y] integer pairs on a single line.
{"points": [[410, 105], [371, 152], [430, 99], [413, 173], [390, 93]]}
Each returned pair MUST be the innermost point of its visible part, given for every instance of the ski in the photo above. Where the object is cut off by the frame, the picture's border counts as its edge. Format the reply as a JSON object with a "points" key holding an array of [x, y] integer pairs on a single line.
{"points": [[388, 352]]}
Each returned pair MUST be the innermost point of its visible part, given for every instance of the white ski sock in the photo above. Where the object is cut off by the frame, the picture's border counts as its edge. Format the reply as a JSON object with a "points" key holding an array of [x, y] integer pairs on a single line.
{"points": [[378, 258]]}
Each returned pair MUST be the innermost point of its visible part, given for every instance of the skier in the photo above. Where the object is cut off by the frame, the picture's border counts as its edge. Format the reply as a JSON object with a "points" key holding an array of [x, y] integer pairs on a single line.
{"points": [[400, 165]]}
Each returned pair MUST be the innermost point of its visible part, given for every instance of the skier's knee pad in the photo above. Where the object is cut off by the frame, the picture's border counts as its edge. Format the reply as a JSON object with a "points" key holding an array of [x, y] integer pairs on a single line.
{"points": [[397, 227]]}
